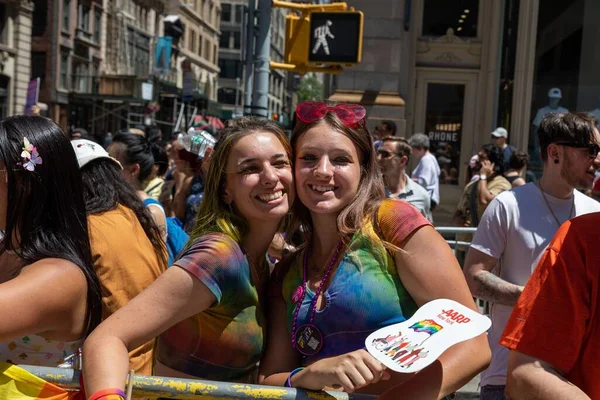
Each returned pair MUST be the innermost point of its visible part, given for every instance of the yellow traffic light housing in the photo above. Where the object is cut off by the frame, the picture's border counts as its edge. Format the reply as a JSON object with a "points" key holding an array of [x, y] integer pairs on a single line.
{"points": [[314, 39]]}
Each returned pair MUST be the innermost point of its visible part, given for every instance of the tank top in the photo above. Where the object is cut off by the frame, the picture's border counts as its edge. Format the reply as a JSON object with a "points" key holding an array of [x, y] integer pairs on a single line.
{"points": [[36, 350]]}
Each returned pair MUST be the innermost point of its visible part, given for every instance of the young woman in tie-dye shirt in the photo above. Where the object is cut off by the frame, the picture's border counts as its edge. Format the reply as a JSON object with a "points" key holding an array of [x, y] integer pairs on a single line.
{"points": [[210, 303], [368, 263]]}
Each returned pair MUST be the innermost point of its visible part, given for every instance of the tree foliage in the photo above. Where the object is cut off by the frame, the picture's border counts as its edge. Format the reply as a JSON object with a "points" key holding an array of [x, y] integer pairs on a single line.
{"points": [[310, 88]]}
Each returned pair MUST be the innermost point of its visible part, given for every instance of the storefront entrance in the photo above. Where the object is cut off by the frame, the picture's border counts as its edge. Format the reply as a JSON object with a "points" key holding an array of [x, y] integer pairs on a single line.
{"points": [[445, 100]]}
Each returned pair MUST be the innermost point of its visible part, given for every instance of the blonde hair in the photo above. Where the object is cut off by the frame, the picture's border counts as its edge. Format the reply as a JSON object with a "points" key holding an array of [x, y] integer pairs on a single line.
{"points": [[214, 215]]}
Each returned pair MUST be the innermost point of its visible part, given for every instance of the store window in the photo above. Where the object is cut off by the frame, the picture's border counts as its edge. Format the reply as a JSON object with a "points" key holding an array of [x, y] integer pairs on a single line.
{"points": [[443, 125], [460, 15], [567, 56]]}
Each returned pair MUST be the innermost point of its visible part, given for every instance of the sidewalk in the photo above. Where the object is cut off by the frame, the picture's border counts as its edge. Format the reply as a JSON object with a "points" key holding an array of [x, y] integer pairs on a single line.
{"points": [[470, 391]]}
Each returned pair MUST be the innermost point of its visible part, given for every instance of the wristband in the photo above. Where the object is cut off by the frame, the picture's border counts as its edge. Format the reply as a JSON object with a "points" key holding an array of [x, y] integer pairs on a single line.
{"points": [[288, 381], [483, 177], [108, 394]]}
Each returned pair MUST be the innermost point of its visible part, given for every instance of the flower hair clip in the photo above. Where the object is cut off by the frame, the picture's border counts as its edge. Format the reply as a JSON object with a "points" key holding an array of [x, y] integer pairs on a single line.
{"points": [[30, 156]]}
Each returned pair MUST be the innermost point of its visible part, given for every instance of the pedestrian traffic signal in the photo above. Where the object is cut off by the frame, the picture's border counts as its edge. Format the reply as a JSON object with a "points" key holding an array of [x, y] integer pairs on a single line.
{"points": [[335, 37], [322, 38]]}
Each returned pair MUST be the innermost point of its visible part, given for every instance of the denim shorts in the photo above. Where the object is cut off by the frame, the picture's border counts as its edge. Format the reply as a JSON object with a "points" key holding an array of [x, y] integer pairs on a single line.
{"points": [[492, 392]]}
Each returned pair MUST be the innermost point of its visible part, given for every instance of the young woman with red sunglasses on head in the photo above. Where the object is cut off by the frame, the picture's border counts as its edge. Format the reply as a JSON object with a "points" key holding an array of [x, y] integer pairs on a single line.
{"points": [[367, 263]]}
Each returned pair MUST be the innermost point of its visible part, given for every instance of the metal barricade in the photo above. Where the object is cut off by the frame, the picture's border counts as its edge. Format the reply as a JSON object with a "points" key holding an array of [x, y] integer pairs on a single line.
{"points": [[482, 305], [454, 230], [188, 389]]}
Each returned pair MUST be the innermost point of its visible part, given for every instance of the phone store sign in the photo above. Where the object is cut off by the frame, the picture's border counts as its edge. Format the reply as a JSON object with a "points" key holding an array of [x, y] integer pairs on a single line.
{"points": [[441, 136]]}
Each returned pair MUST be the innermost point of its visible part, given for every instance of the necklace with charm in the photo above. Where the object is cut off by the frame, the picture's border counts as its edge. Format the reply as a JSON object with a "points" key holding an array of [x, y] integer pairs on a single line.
{"points": [[307, 338]]}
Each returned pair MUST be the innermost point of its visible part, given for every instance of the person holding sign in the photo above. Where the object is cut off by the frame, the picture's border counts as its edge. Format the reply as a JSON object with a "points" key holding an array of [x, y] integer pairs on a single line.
{"points": [[367, 263]]}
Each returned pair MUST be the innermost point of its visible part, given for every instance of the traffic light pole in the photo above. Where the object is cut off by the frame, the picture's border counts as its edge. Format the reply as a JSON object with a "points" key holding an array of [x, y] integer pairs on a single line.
{"points": [[260, 100]]}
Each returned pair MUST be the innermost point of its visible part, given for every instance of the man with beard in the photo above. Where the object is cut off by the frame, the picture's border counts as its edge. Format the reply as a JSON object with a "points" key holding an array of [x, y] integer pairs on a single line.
{"points": [[519, 224]]}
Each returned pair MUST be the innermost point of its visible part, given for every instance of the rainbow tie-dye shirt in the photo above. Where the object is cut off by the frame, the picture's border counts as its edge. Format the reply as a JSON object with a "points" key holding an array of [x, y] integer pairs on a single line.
{"points": [[365, 294], [225, 341]]}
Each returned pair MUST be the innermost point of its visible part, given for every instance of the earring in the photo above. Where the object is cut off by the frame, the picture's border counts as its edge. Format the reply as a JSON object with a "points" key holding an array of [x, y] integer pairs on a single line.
{"points": [[556, 161]]}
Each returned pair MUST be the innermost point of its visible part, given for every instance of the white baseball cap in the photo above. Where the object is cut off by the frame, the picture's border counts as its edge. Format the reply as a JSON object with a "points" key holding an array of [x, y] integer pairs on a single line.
{"points": [[87, 151], [555, 93], [500, 132]]}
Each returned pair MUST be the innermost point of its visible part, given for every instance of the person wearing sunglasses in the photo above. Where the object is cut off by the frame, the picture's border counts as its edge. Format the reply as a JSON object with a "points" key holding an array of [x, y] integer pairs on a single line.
{"points": [[366, 263], [518, 225], [393, 156]]}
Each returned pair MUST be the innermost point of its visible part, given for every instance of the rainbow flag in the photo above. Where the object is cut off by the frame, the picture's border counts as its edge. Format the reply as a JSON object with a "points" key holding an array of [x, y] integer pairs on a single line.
{"points": [[18, 384], [427, 325]]}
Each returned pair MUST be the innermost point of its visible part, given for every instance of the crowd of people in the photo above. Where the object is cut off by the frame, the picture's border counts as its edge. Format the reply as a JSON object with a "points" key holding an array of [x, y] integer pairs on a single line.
{"points": [[518, 221], [215, 255]]}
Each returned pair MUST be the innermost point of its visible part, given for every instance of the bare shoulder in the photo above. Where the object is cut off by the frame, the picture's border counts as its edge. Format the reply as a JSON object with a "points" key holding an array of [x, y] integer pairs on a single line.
{"points": [[47, 296], [60, 274]]}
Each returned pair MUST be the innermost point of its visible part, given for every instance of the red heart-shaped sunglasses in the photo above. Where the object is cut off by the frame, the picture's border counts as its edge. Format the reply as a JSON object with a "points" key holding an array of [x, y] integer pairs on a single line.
{"points": [[349, 114]]}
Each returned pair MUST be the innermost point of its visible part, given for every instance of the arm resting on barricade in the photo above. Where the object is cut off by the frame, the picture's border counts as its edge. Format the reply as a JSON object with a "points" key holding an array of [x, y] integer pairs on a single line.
{"points": [[175, 388]]}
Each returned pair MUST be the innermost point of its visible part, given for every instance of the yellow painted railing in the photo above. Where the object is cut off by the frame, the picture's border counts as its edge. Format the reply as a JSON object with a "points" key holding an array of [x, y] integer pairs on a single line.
{"points": [[175, 388]]}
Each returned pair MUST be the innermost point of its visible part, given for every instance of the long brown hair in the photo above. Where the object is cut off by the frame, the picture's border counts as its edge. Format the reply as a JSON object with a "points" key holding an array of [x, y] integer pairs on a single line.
{"points": [[365, 203], [214, 215]]}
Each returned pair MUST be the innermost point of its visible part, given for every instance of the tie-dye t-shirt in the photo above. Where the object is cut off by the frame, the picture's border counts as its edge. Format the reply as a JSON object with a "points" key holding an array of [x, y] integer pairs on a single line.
{"points": [[225, 341], [365, 293]]}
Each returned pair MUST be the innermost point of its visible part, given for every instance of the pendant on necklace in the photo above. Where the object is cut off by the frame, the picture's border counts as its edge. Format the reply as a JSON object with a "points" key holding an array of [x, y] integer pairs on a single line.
{"points": [[309, 340], [298, 294]]}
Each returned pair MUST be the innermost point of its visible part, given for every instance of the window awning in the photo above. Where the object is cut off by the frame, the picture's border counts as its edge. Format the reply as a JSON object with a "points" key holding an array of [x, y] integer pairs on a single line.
{"points": [[368, 98]]}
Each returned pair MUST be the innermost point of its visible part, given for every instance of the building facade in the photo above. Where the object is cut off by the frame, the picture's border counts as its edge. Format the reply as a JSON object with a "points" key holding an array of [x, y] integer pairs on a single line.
{"points": [[458, 69], [93, 56], [15, 54], [199, 55], [232, 48]]}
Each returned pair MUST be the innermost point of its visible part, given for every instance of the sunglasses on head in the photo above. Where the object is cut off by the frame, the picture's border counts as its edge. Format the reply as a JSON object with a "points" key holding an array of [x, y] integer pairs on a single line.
{"points": [[349, 114], [592, 148]]}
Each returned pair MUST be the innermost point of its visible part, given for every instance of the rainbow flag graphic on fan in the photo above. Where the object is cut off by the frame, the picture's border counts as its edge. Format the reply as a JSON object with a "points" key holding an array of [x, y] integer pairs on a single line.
{"points": [[18, 384], [428, 325]]}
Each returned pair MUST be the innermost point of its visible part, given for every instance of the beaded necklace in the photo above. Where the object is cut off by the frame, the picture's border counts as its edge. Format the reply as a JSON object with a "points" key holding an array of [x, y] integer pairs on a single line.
{"points": [[308, 339]]}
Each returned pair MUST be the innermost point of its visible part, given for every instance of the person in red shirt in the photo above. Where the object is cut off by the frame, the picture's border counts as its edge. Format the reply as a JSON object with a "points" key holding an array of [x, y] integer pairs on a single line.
{"points": [[554, 329]]}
